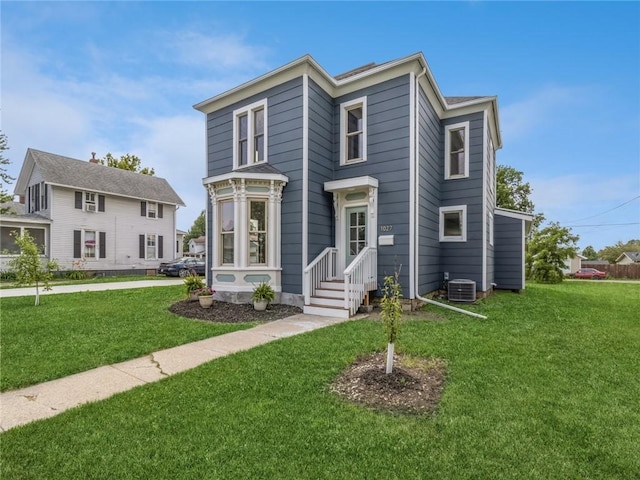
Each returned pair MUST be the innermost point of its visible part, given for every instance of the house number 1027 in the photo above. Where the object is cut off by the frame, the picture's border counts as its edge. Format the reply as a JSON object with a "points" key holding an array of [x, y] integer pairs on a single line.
{"points": [[386, 228]]}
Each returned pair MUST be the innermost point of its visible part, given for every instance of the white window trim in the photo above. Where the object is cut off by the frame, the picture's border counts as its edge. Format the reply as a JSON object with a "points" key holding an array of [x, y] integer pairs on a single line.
{"points": [[220, 234], [447, 152], [146, 246], [96, 247], [248, 110], [344, 107], [454, 208], [265, 201], [155, 210]]}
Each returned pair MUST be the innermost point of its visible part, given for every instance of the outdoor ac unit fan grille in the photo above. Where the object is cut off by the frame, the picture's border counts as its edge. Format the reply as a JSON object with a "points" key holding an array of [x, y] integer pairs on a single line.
{"points": [[462, 291]]}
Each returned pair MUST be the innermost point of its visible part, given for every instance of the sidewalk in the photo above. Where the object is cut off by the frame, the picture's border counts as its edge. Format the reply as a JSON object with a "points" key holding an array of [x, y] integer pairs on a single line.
{"points": [[88, 287], [26, 405]]}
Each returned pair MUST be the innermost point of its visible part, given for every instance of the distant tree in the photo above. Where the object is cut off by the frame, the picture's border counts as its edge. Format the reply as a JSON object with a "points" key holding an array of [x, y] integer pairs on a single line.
{"points": [[29, 267], [590, 253], [127, 162], [547, 252], [513, 192], [5, 178], [611, 253], [198, 229]]}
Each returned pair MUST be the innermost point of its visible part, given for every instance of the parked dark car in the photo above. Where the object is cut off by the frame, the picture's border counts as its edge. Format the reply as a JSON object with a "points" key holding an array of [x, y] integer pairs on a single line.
{"points": [[589, 273], [181, 267]]}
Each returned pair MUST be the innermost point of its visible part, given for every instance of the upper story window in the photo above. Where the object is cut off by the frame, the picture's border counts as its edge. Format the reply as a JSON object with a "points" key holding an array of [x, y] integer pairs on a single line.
{"points": [[353, 131], [456, 139], [37, 197], [151, 209], [453, 223], [89, 201], [250, 134]]}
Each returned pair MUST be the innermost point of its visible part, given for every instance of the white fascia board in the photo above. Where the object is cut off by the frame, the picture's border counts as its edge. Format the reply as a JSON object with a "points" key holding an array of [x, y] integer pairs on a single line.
{"points": [[278, 177], [19, 219], [26, 171], [84, 189], [505, 212], [350, 183]]}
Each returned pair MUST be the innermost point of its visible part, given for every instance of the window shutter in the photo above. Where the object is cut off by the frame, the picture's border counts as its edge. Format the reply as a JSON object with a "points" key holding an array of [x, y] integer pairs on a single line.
{"points": [[46, 195], [79, 200], [143, 209], [141, 245], [101, 203], [103, 243], [77, 246], [160, 246], [160, 210]]}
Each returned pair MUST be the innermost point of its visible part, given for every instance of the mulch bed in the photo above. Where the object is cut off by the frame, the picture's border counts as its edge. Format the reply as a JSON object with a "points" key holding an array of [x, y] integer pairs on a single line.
{"points": [[414, 387], [224, 312]]}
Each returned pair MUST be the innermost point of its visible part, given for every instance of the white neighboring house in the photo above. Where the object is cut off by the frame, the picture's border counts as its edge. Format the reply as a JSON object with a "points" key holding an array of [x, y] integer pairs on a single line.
{"points": [[628, 258], [573, 264], [82, 212], [197, 245]]}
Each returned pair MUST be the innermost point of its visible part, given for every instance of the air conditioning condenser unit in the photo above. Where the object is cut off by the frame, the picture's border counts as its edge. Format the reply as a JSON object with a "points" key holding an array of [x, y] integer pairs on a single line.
{"points": [[462, 290]]}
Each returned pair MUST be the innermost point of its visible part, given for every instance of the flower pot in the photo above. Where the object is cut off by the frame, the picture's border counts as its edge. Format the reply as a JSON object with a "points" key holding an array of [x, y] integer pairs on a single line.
{"points": [[205, 300], [193, 297], [260, 305]]}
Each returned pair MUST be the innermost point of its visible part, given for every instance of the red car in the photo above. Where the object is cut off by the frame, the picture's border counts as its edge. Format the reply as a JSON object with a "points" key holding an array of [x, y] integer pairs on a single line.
{"points": [[590, 273]]}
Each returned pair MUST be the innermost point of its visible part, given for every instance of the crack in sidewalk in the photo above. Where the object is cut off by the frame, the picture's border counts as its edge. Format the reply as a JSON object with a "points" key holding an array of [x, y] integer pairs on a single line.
{"points": [[157, 364], [34, 398]]}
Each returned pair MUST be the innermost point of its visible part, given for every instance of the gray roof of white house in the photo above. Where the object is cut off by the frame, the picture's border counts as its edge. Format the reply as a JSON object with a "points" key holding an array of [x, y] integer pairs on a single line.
{"points": [[82, 174], [635, 256]]}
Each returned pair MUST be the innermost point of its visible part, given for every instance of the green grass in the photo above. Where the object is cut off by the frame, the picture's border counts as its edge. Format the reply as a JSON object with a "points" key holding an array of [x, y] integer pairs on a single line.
{"points": [[71, 333], [5, 284], [547, 388]]}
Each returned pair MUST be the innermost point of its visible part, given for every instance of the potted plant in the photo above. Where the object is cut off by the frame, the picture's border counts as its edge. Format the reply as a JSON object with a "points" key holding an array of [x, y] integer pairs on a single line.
{"points": [[205, 296], [193, 283], [262, 295]]}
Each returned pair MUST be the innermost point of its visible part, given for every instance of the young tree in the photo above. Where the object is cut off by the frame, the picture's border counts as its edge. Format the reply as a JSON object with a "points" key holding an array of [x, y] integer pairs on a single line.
{"points": [[198, 229], [28, 266], [391, 313], [612, 252], [590, 253], [127, 162], [513, 193], [547, 252], [5, 178]]}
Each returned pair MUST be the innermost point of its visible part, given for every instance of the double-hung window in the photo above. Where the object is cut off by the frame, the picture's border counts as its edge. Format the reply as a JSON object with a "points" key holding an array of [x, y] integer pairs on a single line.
{"points": [[250, 135], [226, 229], [456, 163], [258, 233], [453, 223], [353, 131]]}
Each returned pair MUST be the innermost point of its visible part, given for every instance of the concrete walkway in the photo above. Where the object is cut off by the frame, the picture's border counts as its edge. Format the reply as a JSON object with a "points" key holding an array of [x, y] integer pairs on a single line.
{"points": [[89, 287], [19, 407]]}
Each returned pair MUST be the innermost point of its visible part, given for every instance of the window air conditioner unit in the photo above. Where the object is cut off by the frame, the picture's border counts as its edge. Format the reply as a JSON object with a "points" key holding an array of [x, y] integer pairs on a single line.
{"points": [[91, 208], [462, 290]]}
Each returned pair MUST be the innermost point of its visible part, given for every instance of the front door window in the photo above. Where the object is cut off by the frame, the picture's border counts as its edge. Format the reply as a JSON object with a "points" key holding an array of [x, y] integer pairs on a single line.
{"points": [[356, 232]]}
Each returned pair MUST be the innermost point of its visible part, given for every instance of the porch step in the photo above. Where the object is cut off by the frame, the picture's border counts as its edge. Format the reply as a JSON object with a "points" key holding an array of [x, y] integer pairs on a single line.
{"points": [[326, 311], [327, 301], [337, 285], [330, 293]]}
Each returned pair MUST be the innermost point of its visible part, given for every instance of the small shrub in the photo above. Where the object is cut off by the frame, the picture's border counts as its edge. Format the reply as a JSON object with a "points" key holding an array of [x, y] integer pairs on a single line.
{"points": [[8, 275], [263, 292], [193, 283]]}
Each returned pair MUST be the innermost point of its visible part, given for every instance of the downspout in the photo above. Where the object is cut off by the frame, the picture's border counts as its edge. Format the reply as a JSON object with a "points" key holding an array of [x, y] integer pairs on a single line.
{"points": [[415, 219], [449, 307]]}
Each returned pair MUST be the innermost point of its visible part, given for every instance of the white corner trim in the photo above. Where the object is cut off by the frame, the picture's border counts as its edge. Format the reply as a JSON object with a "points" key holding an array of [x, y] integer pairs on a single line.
{"points": [[485, 218], [413, 175], [305, 175]]}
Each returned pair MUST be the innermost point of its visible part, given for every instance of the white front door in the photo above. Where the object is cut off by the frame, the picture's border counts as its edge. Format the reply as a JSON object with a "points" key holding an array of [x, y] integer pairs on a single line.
{"points": [[356, 237]]}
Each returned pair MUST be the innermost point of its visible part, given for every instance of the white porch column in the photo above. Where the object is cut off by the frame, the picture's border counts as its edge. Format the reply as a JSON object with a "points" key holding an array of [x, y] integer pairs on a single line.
{"points": [[241, 220], [214, 232]]}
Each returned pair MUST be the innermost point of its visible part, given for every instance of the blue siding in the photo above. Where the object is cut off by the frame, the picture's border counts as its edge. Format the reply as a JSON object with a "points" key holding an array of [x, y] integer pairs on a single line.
{"points": [[464, 259], [321, 218], [430, 172], [508, 253], [388, 144]]}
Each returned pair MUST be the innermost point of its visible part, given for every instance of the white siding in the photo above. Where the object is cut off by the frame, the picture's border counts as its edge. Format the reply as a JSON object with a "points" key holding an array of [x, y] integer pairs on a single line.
{"points": [[122, 223]]}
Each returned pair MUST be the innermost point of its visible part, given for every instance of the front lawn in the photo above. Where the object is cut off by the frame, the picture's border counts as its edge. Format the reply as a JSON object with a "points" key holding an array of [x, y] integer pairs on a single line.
{"points": [[547, 388], [70, 333]]}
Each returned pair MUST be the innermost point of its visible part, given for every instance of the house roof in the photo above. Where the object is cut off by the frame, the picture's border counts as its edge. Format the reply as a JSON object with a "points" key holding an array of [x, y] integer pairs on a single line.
{"points": [[201, 239], [357, 79], [72, 173], [633, 256]]}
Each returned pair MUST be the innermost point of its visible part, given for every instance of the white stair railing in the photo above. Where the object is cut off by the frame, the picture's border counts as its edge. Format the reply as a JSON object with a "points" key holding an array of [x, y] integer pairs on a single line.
{"points": [[360, 277], [321, 269]]}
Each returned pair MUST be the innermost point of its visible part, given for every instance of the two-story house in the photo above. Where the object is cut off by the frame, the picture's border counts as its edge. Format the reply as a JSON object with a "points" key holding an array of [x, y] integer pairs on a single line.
{"points": [[324, 185], [87, 215]]}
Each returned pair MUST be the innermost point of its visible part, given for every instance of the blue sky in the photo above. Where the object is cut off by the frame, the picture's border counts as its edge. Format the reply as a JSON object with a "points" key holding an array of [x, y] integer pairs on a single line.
{"points": [[121, 77]]}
